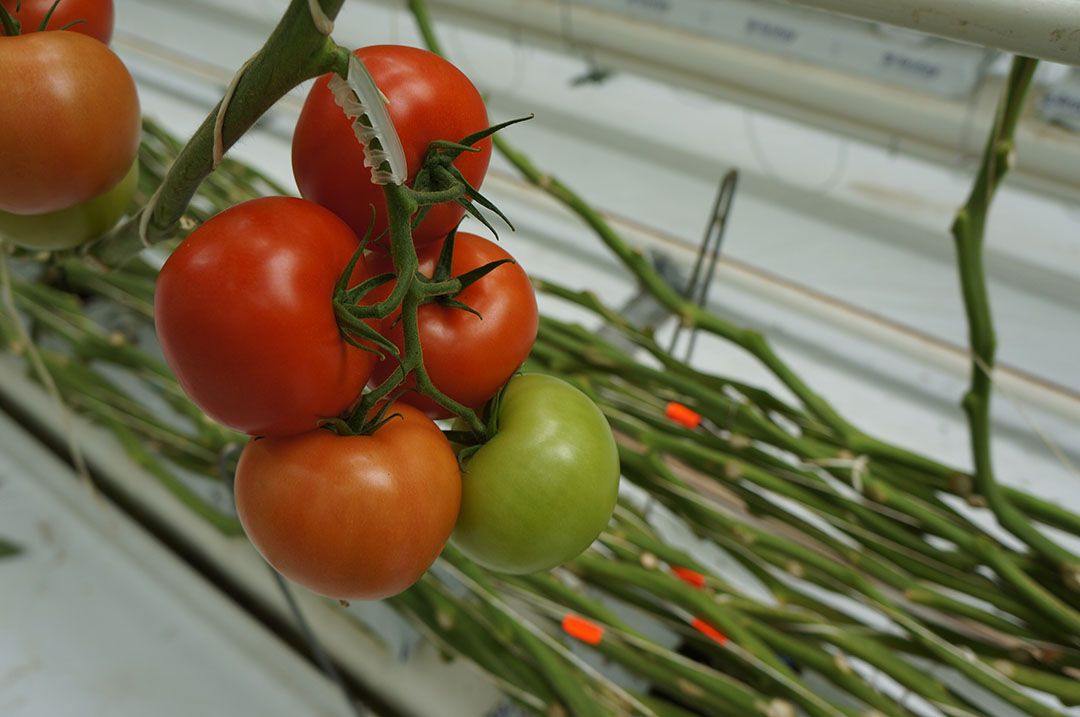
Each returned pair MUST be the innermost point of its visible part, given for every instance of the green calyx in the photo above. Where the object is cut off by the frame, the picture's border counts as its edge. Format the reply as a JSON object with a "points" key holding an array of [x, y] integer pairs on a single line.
{"points": [[12, 27], [48, 16], [362, 424], [438, 180], [443, 287]]}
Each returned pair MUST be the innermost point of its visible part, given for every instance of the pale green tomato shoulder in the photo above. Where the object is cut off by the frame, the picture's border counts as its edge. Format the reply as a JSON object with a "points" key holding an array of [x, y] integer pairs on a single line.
{"points": [[71, 227]]}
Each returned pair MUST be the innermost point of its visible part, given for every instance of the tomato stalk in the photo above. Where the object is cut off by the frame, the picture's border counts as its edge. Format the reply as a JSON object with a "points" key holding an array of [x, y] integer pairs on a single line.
{"points": [[437, 182], [408, 294]]}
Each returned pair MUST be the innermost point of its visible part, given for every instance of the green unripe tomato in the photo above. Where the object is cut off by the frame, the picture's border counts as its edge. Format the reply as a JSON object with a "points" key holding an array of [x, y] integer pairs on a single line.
{"points": [[67, 228], [539, 492]]}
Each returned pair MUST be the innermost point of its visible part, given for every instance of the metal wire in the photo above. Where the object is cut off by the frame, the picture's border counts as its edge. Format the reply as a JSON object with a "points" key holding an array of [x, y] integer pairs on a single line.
{"points": [[697, 288]]}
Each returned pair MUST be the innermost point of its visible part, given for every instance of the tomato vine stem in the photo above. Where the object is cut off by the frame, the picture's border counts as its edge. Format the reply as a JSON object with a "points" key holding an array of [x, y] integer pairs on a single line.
{"points": [[969, 231], [295, 51], [409, 292]]}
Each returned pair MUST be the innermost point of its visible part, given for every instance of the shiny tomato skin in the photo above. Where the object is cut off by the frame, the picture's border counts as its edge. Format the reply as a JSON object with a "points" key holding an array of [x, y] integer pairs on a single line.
{"points": [[539, 492], [356, 517], [69, 121], [467, 357], [430, 100], [243, 309], [97, 14], [71, 227]]}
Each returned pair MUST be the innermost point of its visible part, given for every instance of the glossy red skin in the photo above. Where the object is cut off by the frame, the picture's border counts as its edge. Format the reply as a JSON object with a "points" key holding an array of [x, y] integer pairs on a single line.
{"points": [[244, 314], [430, 100], [69, 121], [355, 518], [98, 15], [467, 358]]}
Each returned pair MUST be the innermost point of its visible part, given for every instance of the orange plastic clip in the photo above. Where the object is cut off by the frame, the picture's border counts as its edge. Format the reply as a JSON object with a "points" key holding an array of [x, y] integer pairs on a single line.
{"points": [[581, 629], [709, 631], [690, 577], [682, 415]]}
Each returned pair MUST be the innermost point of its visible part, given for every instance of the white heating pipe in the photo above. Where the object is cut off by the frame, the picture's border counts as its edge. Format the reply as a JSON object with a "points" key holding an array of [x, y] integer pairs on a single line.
{"points": [[923, 125], [1047, 29]]}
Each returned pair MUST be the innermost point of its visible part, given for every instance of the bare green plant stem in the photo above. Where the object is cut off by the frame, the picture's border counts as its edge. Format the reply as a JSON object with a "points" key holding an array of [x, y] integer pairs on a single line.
{"points": [[842, 578], [541, 646], [8, 549], [933, 519], [694, 682], [969, 230]]}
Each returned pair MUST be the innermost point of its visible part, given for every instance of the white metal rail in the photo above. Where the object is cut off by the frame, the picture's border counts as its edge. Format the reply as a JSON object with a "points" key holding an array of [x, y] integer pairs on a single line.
{"points": [[1047, 29]]}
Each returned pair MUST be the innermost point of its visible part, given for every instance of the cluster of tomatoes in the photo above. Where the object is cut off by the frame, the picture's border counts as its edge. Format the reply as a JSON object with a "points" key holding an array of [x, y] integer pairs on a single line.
{"points": [[245, 311], [69, 124], [360, 509]]}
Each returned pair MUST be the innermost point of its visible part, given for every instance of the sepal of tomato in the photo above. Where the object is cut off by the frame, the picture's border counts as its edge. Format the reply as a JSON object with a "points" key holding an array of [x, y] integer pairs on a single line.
{"points": [[430, 100], [71, 227], [244, 312], [544, 486], [92, 17], [351, 517], [467, 357]]}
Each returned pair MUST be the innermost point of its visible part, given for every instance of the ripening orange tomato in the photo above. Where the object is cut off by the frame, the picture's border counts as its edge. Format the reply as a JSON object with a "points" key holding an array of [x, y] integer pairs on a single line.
{"points": [[351, 517], [69, 121]]}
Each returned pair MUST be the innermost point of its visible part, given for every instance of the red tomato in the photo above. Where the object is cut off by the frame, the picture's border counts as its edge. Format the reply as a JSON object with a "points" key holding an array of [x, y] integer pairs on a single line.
{"points": [[244, 313], [468, 358], [351, 517], [430, 99], [69, 121], [98, 16]]}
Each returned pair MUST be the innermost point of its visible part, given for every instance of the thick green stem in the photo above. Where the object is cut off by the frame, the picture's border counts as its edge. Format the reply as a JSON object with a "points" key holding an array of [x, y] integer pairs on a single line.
{"points": [[8, 549], [408, 294], [296, 51], [969, 233]]}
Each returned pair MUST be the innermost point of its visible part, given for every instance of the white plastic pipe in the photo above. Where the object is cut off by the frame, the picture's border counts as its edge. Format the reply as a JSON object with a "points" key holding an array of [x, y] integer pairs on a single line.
{"points": [[919, 124], [1047, 29]]}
